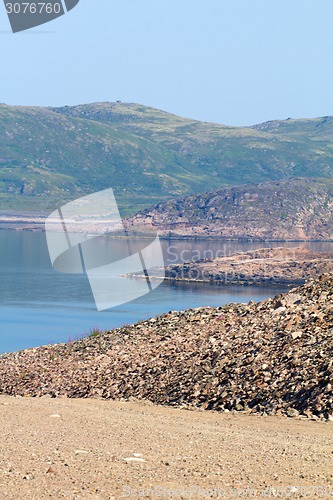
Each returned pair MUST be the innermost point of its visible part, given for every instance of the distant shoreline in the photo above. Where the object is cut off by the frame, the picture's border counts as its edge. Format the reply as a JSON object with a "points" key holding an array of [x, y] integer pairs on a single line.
{"points": [[35, 222], [22, 220]]}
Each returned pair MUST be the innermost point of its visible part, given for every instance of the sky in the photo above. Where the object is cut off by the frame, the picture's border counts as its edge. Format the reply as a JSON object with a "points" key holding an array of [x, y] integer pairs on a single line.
{"points": [[236, 62]]}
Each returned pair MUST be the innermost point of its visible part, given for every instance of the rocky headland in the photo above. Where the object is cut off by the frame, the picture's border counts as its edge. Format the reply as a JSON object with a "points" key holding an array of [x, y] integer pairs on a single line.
{"points": [[264, 266], [299, 209], [286, 210]]}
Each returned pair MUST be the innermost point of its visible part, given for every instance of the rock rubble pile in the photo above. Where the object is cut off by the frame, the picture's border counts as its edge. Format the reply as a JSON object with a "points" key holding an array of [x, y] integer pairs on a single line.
{"points": [[272, 357]]}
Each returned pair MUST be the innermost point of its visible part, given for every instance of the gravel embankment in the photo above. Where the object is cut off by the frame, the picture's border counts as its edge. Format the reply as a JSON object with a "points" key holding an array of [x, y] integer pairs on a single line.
{"points": [[274, 357]]}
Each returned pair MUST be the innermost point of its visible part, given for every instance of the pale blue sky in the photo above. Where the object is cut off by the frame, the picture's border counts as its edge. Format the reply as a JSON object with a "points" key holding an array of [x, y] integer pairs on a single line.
{"points": [[237, 62]]}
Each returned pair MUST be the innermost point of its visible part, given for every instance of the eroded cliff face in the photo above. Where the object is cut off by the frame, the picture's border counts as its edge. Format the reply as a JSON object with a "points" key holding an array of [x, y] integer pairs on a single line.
{"points": [[296, 209]]}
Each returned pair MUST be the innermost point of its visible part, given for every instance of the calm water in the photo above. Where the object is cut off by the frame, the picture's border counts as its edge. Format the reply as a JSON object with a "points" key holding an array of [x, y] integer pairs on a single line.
{"points": [[39, 305]]}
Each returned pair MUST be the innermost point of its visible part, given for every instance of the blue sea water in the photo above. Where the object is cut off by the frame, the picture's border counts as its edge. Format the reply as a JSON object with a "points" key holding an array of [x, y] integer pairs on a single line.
{"points": [[40, 306]]}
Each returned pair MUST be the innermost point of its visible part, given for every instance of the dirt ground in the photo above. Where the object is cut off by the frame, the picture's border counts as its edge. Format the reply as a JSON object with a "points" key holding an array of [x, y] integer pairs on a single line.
{"points": [[95, 449]]}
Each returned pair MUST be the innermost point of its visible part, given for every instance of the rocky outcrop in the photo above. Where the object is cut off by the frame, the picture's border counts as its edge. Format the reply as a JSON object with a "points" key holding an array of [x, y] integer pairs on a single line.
{"points": [[273, 357], [294, 209], [265, 266]]}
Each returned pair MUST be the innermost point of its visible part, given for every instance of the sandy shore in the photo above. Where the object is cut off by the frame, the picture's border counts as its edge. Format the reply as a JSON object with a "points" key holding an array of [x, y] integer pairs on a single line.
{"points": [[90, 449]]}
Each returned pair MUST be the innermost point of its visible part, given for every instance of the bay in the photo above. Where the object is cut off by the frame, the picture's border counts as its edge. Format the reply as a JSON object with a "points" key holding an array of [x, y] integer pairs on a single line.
{"points": [[40, 306]]}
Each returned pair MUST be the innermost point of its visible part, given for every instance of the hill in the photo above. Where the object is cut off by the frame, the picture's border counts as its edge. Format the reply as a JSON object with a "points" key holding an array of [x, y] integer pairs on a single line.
{"points": [[52, 155], [293, 209], [272, 357]]}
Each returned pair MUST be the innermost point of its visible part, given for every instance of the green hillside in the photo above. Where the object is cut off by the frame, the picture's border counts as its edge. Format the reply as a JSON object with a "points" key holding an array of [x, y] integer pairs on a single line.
{"points": [[51, 155]]}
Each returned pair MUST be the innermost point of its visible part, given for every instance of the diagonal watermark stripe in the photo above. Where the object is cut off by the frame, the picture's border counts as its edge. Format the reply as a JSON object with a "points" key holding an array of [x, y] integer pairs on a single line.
{"points": [[74, 233]]}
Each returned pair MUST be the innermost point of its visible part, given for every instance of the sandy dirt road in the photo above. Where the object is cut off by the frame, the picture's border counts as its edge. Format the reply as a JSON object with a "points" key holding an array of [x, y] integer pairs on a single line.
{"points": [[94, 449]]}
